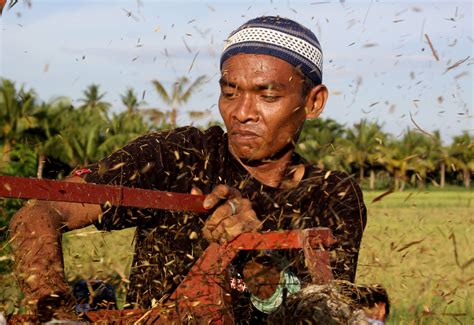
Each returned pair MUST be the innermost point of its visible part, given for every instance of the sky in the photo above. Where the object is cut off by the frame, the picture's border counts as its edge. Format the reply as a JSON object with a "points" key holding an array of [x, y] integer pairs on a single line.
{"points": [[402, 64]]}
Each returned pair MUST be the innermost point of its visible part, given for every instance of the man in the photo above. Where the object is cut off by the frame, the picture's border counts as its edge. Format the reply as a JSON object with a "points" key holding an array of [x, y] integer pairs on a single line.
{"points": [[271, 81]]}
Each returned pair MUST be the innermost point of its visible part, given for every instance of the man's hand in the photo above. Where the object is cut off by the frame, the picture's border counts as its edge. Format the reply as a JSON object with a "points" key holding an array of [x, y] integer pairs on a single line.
{"points": [[233, 215]]}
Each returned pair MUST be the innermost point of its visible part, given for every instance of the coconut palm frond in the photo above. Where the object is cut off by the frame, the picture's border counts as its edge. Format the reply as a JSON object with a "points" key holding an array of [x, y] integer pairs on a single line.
{"points": [[161, 91], [193, 87]]}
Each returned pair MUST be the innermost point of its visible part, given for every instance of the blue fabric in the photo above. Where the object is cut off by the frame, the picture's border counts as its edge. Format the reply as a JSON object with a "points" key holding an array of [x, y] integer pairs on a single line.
{"points": [[103, 295], [375, 321]]}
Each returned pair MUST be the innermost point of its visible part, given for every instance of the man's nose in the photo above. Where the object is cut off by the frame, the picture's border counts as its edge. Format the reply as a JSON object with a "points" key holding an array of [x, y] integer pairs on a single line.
{"points": [[246, 110]]}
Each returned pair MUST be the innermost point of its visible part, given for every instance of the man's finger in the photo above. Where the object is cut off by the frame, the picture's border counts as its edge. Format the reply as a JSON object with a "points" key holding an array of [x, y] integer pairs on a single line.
{"points": [[221, 213], [218, 234], [247, 222], [196, 191], [227, 229], [230, 208], [207, 234], [220, 192], [215, 226], [233, 226]]}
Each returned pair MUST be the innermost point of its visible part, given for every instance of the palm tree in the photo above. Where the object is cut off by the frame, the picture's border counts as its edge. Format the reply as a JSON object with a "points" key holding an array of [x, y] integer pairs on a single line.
{"points": [[362, 145], [92, 101], [82, 130], [17, 115], [50, 123], [318, 143], [408, 159], [462, 152], [152, 116], [178, 94], [122, 128], [130, 101], [442, 158]]}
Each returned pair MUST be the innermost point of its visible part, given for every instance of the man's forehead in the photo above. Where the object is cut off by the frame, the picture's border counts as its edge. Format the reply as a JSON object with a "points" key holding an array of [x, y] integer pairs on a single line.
{"points": [[261, 83], [262, 61], [259, 66]]}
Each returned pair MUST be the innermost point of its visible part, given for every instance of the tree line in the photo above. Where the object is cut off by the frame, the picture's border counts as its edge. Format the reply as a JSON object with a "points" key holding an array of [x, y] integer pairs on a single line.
{"points": [[380, 160], [50, 139], [62, 136]]}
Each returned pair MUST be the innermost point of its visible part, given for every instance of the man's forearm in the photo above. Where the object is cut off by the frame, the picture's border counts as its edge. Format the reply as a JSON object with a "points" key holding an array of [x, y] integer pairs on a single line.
{"points": [[35, 233]]}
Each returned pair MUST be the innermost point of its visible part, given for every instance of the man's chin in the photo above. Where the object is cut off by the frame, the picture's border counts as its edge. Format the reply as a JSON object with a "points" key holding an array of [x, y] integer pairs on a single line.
{"points": [[246, 153], [257, 155], [250, 158]]}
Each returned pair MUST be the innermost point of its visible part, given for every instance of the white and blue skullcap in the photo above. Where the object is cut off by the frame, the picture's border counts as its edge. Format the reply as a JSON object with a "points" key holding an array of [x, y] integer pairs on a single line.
{"points": [[279, 37]]}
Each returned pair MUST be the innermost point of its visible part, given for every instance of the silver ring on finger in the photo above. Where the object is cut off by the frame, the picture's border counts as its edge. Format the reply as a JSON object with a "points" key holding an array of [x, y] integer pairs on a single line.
{"points": [[233, 207]]}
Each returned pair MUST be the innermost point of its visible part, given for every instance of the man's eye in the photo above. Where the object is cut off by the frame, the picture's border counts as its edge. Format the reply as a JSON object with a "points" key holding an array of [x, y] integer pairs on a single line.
{"points": [[270, 98], [229, 94]]}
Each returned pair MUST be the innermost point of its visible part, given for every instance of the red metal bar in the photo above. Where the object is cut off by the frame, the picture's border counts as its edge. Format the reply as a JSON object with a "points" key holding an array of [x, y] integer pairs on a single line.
{"points": [[49, 190]]}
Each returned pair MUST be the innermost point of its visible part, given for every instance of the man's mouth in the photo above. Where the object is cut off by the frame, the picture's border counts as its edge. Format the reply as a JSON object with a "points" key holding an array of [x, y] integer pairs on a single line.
{"points": [[244, 134]]}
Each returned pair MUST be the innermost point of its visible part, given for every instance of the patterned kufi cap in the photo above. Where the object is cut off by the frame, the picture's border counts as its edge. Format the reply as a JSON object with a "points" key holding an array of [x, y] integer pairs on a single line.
{"points": [[279, 37]]}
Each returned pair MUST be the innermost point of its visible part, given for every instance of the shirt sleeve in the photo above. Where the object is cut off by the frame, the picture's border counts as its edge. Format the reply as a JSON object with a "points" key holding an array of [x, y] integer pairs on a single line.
{"points": [[146, 163], [347, 214], [164, 161]]}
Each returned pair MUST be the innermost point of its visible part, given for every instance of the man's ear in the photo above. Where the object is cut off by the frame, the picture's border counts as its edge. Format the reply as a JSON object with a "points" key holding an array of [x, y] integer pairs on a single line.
{"points": [[315, 101]]}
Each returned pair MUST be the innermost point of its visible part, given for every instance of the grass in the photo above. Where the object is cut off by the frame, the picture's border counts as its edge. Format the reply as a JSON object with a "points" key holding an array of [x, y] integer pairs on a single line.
{"points": [[417, 244], [432, 198]]}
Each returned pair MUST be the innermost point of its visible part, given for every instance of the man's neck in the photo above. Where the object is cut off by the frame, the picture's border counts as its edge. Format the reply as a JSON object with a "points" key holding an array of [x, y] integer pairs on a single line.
{"points": [[277, 173]]}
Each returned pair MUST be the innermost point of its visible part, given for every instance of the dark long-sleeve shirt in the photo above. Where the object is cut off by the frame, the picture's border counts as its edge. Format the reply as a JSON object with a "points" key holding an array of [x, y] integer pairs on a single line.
{"points": [[184, 158]]}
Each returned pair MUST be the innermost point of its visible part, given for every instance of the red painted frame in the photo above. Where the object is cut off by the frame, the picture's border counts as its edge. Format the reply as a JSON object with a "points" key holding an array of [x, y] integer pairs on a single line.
{"points": [[203, 294]]}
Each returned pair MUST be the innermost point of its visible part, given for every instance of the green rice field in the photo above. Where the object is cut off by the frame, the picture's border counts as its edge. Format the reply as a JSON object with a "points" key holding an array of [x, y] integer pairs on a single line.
{"points": [[417, 244]]}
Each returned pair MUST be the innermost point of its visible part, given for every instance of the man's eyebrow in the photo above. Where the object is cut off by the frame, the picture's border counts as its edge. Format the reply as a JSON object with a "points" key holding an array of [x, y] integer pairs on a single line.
{"points": [[270, 85], [266, 85], [225, 82]]}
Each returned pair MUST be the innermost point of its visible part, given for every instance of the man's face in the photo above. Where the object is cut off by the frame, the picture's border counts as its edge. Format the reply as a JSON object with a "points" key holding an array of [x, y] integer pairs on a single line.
{"points": [[262, 105]]}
